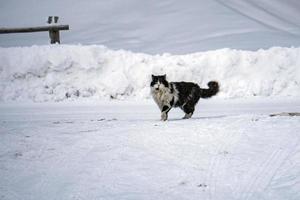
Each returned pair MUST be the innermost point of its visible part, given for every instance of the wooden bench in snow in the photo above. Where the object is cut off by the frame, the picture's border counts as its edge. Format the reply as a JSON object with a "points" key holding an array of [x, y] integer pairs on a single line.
{"points": [[53, 29], [292, 114]]}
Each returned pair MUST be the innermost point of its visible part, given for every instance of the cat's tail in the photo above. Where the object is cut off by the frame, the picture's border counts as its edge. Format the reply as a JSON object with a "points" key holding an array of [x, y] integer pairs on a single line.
{"points": [[213, 89]]}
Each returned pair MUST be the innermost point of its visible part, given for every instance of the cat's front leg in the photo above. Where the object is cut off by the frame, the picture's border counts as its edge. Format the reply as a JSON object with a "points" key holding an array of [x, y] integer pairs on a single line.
{"points": [[164, 112]]}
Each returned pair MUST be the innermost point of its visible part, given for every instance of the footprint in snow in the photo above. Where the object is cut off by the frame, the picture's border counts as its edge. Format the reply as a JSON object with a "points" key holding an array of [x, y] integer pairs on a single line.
{"points": [[203, 185]]}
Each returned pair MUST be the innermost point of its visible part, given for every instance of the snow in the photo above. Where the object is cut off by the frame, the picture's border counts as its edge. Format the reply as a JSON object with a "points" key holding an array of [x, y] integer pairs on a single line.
{"points": [[230, 149], [71, 72], [156, 26], [77, 120]]}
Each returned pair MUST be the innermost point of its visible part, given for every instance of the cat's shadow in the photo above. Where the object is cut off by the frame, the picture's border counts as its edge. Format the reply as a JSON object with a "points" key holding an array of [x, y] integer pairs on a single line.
{"points": [[199, 118]]}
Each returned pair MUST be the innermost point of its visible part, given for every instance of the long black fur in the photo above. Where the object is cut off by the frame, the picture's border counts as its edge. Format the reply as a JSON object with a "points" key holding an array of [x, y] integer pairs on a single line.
{"points": [[190, 93]]}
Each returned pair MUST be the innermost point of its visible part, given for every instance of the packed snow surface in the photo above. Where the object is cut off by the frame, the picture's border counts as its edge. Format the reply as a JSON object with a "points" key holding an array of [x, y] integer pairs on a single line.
{"points": [[117, 150], [156, 26], [60, 72]]}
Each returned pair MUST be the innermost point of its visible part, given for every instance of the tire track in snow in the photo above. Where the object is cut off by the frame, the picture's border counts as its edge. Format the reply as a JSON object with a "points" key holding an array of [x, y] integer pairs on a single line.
{"points": [[217, 159], [225, 157], [211, 182], [260, 176], [262, 169], [269, 168], [63, 166]]}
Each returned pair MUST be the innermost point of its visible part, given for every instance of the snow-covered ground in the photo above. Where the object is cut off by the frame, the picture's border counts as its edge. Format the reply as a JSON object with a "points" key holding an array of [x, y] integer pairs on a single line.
{"points": [[156, 26], [230, 149]]}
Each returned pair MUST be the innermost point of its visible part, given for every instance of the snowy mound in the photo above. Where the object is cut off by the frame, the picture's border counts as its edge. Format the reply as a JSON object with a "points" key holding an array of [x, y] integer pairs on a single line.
{"points": [[56, 73]]}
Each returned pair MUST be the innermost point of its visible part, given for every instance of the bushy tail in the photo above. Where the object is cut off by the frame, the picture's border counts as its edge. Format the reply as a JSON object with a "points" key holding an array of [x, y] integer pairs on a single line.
{"points": [[213, 89]]}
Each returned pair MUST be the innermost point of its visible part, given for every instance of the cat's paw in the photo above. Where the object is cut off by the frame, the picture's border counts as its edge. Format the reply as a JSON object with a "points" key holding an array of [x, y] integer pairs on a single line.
{"points": [[164, 117], [187, 116]]}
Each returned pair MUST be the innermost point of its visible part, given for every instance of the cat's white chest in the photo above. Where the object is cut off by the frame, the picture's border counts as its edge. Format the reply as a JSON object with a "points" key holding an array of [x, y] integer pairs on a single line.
{"points": [[161, 97]]}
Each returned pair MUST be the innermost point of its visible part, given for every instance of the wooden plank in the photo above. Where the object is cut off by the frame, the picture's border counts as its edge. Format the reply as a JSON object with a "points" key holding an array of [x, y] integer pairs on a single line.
{"points": [[34, 29]]}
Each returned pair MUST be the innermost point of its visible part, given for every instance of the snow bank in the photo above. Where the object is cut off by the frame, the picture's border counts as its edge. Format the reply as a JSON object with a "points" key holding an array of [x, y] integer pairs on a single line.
{"points": [[59, 72]]}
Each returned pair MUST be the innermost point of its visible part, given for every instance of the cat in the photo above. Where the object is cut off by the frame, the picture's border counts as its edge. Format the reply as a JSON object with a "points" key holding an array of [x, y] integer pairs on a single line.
{"points": [[179, 94]]}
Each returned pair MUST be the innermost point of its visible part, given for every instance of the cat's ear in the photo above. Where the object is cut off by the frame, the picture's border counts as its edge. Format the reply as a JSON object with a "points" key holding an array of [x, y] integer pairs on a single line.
{"points": [[152, 76]]}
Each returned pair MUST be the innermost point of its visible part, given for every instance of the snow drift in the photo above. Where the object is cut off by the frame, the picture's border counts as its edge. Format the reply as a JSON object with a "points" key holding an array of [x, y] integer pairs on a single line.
{"points": [[59, 72]]}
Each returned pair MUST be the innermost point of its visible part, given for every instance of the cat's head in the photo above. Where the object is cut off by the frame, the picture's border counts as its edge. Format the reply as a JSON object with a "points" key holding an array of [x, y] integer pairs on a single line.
{"points": [[159, 82]]}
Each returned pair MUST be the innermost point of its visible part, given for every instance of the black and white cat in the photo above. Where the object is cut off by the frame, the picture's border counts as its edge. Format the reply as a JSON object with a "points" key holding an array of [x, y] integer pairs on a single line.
{"points": [[179, 94]]}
